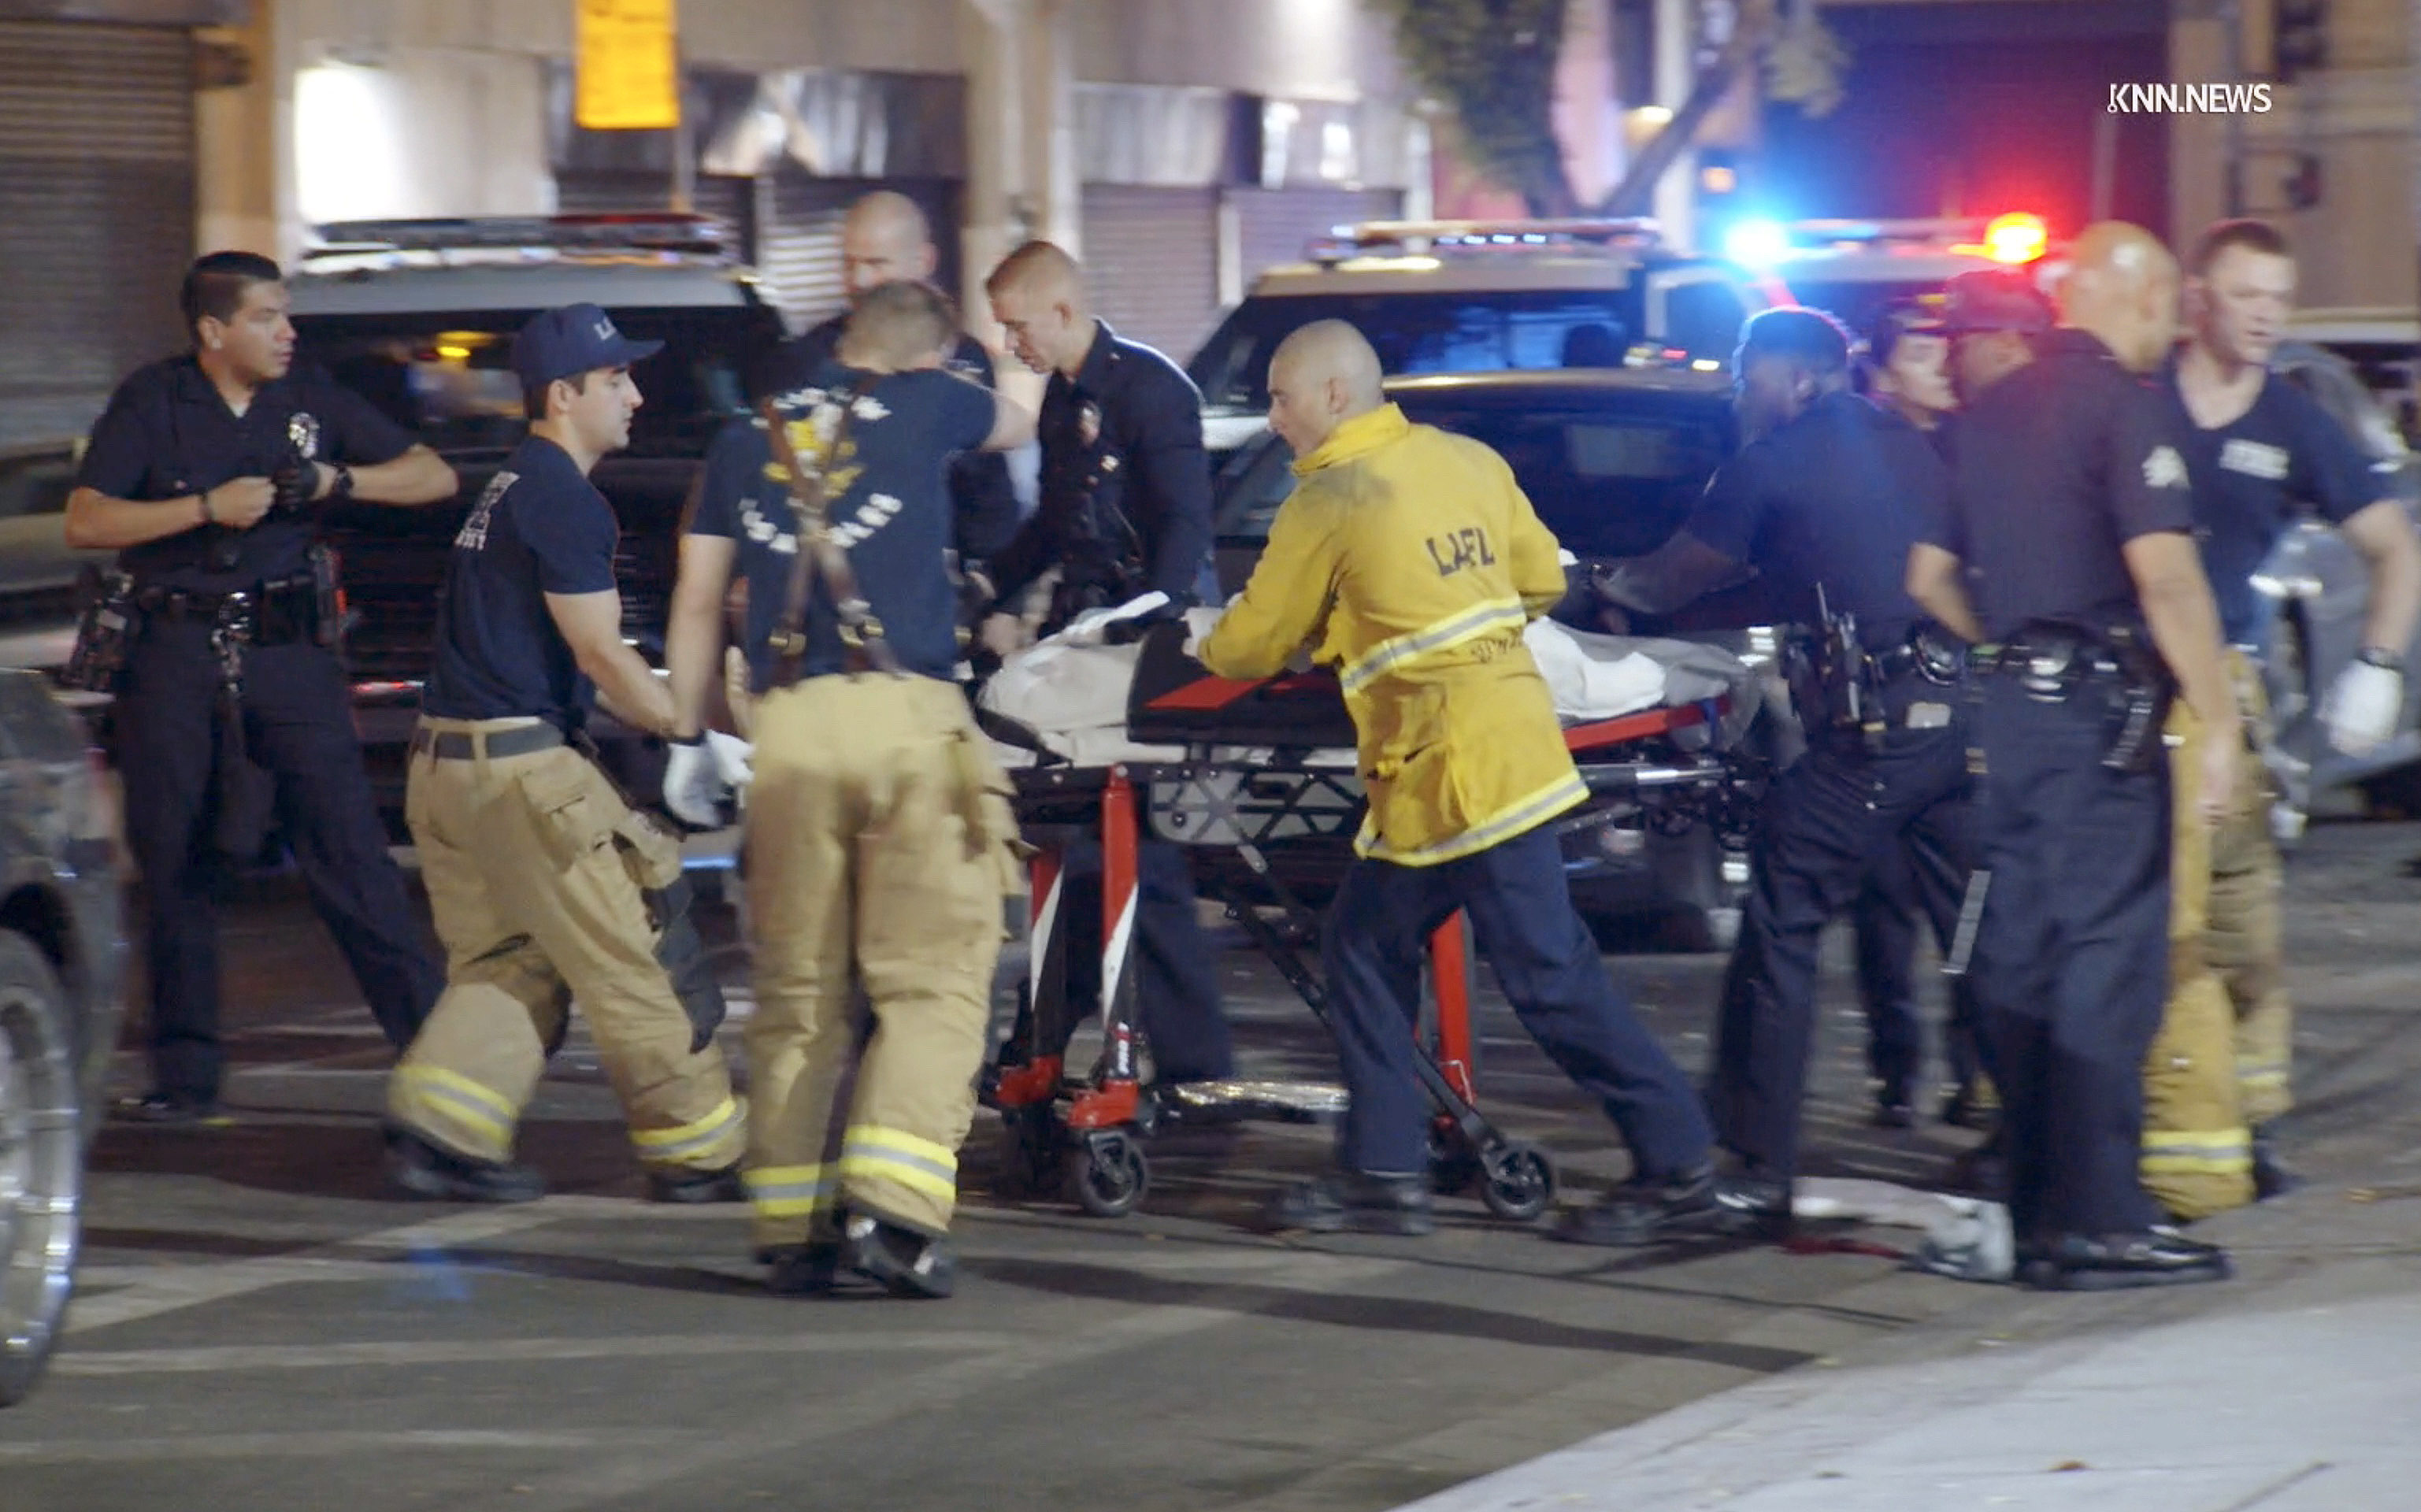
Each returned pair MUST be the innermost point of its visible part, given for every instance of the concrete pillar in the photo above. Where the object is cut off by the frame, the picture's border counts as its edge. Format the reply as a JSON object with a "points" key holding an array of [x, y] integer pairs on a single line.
{"points": [[1677, 68], [1589, 120], [237, 145], [1053, 188], [994, 222], [2198, 50]]}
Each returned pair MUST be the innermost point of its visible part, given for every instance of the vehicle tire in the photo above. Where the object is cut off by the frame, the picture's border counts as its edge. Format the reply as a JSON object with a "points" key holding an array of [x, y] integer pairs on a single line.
{"points": [[1517, 1182], [42, 1163], [1108, 1176]]}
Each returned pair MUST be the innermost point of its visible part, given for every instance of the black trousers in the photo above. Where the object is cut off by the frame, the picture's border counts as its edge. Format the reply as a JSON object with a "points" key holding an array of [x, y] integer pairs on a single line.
{"points": [[1177, 982], [2072, 962], [1824, 821], [1547, 966], [1899, 890], [298, 726]]}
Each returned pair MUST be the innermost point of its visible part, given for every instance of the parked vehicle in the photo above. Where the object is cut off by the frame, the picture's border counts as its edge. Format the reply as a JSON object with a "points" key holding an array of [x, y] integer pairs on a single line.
{"points": [[62, 982], [38, 570], [1478, 296], [1613, 461], [418, 318], [2318, 590]]}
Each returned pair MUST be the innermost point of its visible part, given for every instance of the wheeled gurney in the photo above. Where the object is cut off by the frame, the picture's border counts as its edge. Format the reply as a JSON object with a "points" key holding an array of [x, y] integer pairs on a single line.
{"points": [[1262, 773]]}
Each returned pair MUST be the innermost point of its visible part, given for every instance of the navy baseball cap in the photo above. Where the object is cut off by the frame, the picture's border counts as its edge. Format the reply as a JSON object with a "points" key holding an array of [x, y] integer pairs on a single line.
{"points": [[1990, 300], [574, 339]]}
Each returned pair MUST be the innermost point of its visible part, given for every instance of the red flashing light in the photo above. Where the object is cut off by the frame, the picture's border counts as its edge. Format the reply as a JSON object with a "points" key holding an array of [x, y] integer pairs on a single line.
{"points": [[2016, 238]]}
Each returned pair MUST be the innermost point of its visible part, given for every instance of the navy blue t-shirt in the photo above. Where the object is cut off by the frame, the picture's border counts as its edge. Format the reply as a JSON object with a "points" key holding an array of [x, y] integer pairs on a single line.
{"points": [[2250, 477], [167, 433], [1835, 497], [539, 527], [890, 509]]}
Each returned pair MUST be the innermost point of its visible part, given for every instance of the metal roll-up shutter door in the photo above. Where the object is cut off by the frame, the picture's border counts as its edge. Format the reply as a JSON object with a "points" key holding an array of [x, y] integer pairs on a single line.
{"points": [[1278, 225], [1151, 262], [96, 213], [798, 237]]}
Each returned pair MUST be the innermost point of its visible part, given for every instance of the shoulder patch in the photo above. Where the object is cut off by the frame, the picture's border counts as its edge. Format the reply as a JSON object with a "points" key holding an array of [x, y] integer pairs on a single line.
{"points": [[2163, 467]]}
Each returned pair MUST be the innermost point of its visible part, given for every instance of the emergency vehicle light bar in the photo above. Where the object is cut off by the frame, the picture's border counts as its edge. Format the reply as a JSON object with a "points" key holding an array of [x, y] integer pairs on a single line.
{"points": [[1344, 241], [649, 231]]}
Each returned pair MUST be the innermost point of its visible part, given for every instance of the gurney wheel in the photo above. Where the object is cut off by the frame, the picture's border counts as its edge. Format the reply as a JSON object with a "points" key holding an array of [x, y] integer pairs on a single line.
{"points": [[1520, 1182], [1108, 1176], [1029, 1151]]}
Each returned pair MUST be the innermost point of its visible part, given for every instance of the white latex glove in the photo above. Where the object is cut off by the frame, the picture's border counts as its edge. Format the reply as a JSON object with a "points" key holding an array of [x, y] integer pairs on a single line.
{"points": [[693, 786], [2360, 707], [734, 758]]}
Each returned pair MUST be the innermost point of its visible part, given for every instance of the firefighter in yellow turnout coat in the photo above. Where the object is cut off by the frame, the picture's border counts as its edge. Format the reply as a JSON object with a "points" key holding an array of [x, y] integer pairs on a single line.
{"points": [[1409, 561], [878, 832]]}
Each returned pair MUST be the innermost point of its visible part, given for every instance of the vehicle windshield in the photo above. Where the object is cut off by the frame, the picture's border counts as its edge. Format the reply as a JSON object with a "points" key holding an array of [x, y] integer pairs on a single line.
{"points": [[447, 377], [1437, 332], [1611, 476]]}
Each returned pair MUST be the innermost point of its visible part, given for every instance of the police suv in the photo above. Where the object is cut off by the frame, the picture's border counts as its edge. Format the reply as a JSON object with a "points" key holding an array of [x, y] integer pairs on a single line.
{"points": [[1478, 297]]}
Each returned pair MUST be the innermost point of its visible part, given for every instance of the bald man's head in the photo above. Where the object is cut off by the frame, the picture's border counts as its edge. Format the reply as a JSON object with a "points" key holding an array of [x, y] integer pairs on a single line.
{"points": [[1320, 377], [1038, 296], [884, 240], [2122, 286]]}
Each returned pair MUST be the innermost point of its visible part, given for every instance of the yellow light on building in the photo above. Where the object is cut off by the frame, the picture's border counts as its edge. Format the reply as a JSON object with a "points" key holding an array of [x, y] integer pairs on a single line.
{"points": [[1718, 180], [627, 66]]}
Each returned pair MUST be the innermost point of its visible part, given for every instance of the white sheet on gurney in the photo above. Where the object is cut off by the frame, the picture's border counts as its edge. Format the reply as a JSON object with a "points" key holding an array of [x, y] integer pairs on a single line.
{"points": [[1071, 691]]}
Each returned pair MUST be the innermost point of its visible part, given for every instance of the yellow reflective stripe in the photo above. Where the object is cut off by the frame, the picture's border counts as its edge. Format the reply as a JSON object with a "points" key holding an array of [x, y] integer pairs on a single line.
{"points": [[942, 1156], [690, 1138], [2200, 1151], [788, 1191], [880, 1154], [482, 1108], [1563, 792], [1452, 630]]}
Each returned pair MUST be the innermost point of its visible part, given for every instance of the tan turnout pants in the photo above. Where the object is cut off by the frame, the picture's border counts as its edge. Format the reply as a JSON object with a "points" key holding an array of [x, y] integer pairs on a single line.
{"points": [[2219, 1065], [535, 866], [878, 841]]}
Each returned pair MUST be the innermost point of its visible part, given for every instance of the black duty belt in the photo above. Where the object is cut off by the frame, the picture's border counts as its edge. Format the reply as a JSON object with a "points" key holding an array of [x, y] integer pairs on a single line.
{"points": [[283, 612], [464, 745]]}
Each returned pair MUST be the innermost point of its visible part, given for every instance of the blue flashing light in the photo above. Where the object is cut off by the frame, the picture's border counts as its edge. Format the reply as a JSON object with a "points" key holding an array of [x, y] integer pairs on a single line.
{"points": [[1757, 244]]}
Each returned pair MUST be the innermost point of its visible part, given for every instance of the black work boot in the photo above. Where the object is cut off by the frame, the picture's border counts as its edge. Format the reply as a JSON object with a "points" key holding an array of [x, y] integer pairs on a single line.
{"points": [[1892, 1107], [807, 1269], [2271, 1177], [2158, 1256], [1361, 1202], [684, 1184], [426, 1169], [1645, 1209], [174, 1110], [900, 1260]]}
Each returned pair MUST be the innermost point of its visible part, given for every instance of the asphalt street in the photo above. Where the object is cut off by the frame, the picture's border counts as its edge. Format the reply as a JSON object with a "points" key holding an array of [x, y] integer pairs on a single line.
{"points": [[263, 1325]]}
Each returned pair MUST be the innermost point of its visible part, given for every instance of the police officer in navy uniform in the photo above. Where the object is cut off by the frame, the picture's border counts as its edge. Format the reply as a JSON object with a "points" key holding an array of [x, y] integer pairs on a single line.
{"points": [[2068, 543], [1823, 503], [886, 238], [1125, 511], [1905, 372], [205, 474]]}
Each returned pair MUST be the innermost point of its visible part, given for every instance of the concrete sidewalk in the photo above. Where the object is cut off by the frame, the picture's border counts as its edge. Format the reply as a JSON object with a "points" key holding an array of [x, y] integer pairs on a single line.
{"points": [[2294, 1388]]}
